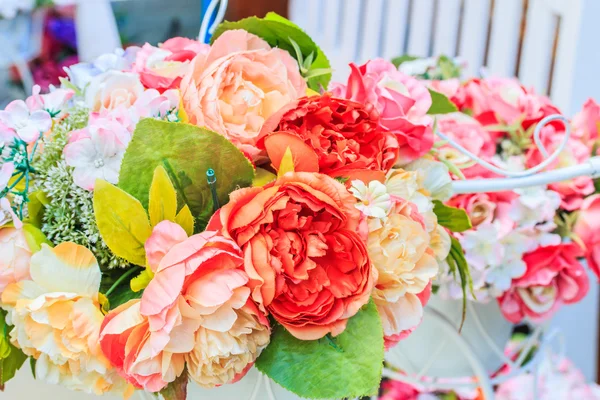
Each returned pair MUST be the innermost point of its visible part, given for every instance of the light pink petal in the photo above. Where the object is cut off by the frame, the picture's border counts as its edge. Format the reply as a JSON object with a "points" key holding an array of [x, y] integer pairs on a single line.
{"points": [[164, 236]]}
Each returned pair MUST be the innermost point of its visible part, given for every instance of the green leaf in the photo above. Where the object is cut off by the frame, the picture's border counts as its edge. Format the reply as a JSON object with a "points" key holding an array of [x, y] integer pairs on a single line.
{"points": [[440, 104], [397, 61], [280, 32], [457, 262], [122, 294], [455, 219], [11, 358], [35, 237], [141, 281], [346, 366], [263, 177], [36, 208], [186, 152], [176, 390], [122, 221], [163, 198]]}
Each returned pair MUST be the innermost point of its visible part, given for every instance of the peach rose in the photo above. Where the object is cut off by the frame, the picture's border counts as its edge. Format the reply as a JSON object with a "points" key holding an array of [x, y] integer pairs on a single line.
{"points": [[14, 257], [57, 319], [163, 67], [240, 83], [112, 89], [485, 207], [198, 297], [307, 265], [399, 247], [587, 228]]}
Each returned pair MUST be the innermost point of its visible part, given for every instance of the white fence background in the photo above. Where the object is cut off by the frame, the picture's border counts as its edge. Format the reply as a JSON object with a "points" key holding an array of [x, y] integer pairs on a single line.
{"points": [[536, 40]]}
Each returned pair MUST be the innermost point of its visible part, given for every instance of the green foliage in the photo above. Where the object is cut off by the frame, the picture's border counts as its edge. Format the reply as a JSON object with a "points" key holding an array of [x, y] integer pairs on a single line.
{"points": [[455, 219], [397, 61], [186, 152], [282, 33], [34, 237], [122, 221], [11, 358], [176, 390], [457, 263], [346, 366], [440, 104]]}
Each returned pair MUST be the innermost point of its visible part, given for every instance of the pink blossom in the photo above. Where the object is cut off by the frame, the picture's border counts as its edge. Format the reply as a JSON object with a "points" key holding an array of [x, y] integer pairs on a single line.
{"points": [[587, 228], [96, 152], [26, 124], [553, 277], [401, 100], [7, 214], [585, 123], [163, 67], [54, 102]]}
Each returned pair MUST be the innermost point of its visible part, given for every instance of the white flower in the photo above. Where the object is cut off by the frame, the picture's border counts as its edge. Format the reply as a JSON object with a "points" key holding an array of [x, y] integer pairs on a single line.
{"points": [[97, 153], [112, 89], [534, 205], [409, 186], [435, 178], [482, 246], [54, 102], [7, 214], [500, 276], [418, 66], [26, 124], [374, 200]]}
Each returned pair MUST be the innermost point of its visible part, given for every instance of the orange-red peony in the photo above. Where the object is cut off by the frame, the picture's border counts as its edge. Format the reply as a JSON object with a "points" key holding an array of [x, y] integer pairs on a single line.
{"points": [[308, 266], [344, 136]]}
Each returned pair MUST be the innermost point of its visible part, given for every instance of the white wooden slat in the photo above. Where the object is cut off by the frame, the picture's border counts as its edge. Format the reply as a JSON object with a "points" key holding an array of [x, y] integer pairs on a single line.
{"points": [[421, 23], [567, 55], [396, 19], [350, 29], [474, 31], [369, 42], [505, 37], [537, 46], [313, 9], [332, 17], [446, 28], [297, 13]]}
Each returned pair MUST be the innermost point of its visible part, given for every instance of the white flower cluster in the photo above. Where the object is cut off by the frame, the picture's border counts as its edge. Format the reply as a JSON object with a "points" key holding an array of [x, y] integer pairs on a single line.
{"points": [[495, 249]]}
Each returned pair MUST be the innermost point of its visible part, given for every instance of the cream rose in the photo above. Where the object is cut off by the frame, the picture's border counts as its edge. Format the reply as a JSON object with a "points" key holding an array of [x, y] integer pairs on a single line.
{"points": [[112, 89], [240, 83]]}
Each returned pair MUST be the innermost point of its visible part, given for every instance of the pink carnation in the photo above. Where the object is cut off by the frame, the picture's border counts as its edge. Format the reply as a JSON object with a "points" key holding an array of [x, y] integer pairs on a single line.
{"points": [[402, 101], [553, 277]]}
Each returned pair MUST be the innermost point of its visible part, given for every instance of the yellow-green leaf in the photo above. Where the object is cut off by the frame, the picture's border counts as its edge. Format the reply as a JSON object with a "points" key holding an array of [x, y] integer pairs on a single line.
{"points": [[34, 238], [287, 163], [122, 221], [181, 114], [310, 92], [104, 303], [162, 203], [185, 219], [262, 177], [36, 207], [140, 282]]}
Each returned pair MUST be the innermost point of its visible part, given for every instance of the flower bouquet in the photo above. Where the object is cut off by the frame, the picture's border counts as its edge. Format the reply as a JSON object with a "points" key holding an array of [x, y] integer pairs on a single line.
{"points": [[185, 212]]}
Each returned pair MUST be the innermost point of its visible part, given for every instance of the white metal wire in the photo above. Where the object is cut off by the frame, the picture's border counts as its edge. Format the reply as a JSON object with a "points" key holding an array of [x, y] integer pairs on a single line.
{"points": [[206, 18]]}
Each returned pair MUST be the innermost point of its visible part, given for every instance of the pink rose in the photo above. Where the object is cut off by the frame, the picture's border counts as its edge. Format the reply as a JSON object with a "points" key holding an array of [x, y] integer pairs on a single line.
{"points": [[469, 133], [451, 88], [14, 257], [240, 83], [402, 101], [163, 67], [587, 228], [585, 123], [573, 191], [485, 207], [553, 277]]}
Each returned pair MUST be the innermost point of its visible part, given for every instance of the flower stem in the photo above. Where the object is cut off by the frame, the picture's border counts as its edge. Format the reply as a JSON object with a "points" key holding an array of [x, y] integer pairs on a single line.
{"points": [[126, 275]]}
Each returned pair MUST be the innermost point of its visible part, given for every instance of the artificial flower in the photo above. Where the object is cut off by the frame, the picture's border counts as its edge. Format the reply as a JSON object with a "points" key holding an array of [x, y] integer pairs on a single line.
{"points": [[96, 153], [15, 255], [54, 102], [434, 178], [163, 67], [533, 205], [585, 123], [112, 89], [373, 199], [344, 136], [400, 100], [399, 248], [307, 265], [8, 215], [57, 318], [240, 83], [587, 229], [486, 207], [28, 125], [553, 277]]}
